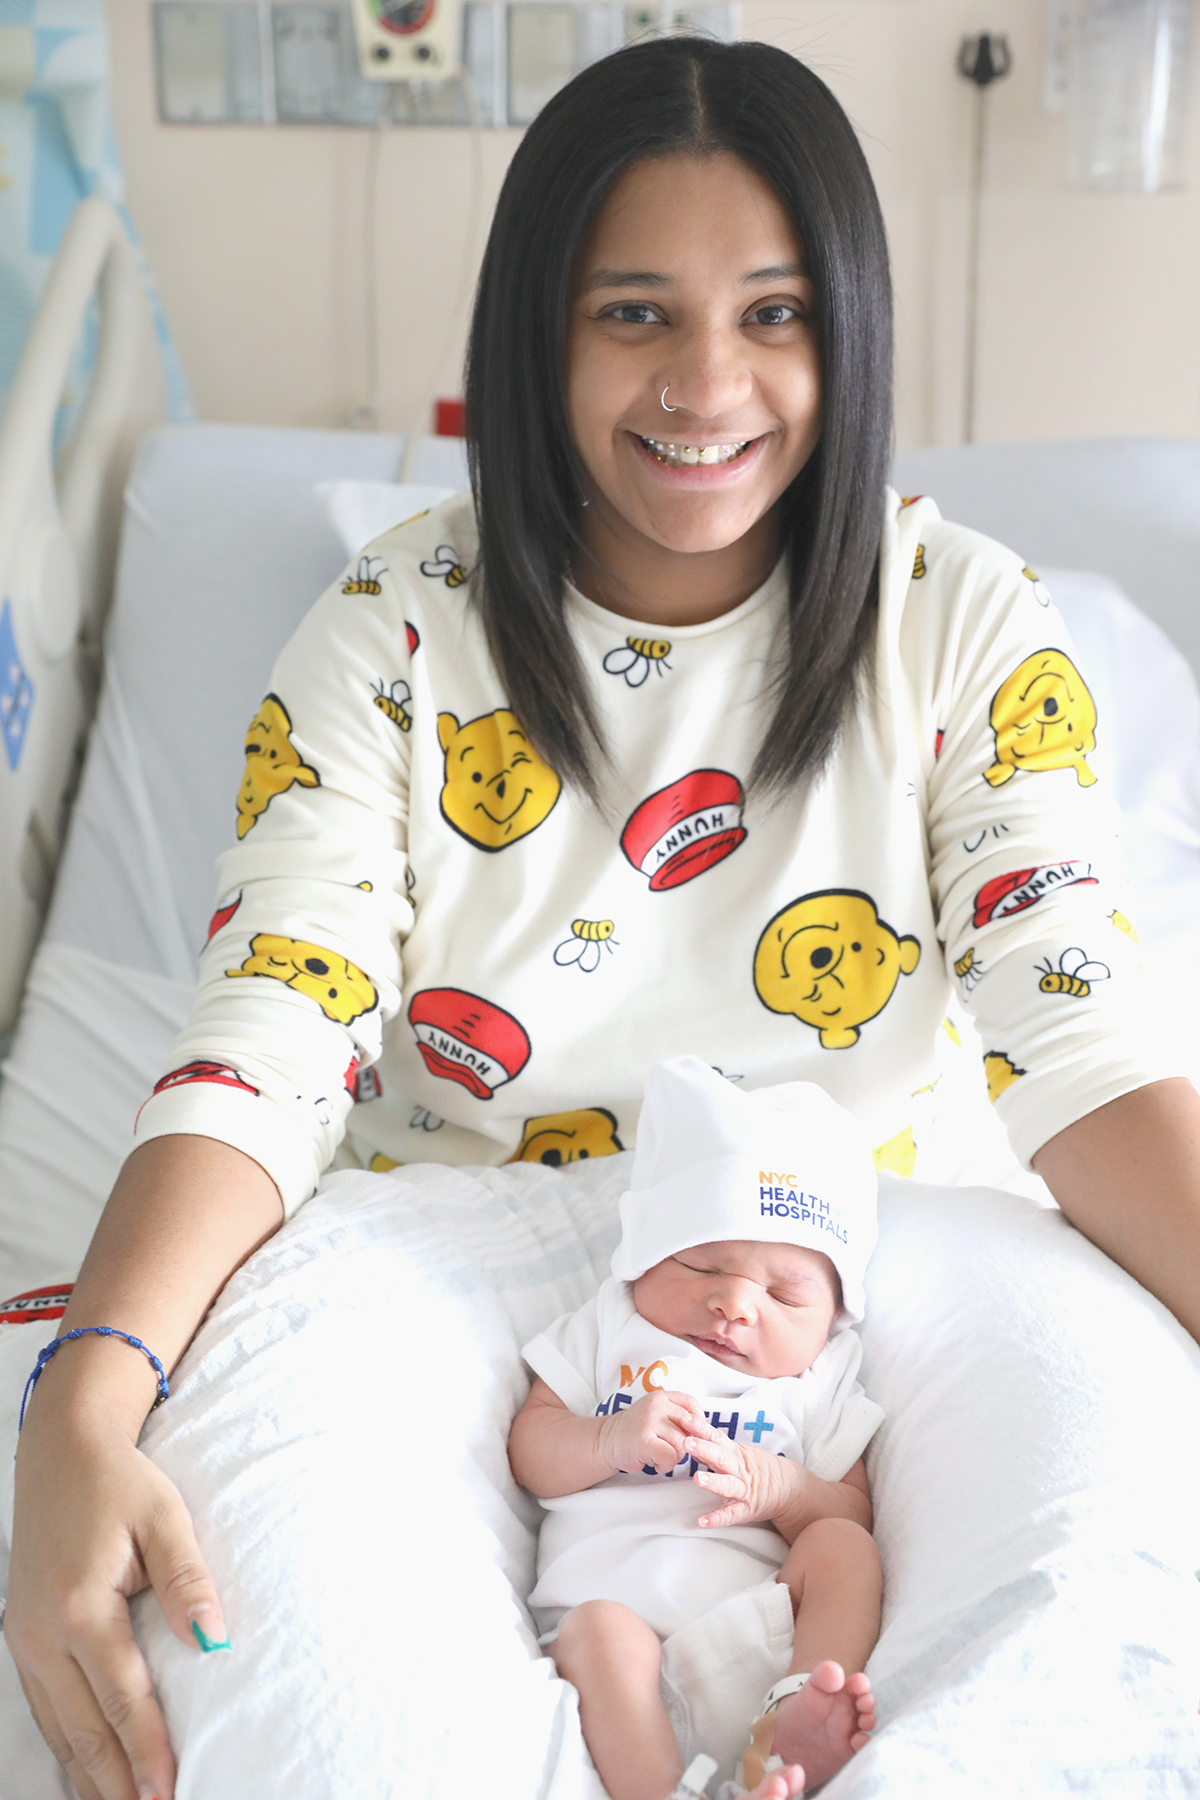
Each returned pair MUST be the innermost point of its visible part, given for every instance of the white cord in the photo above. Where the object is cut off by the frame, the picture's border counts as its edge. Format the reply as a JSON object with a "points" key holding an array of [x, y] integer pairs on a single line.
{"points": [[365, 416], [466, 265]]}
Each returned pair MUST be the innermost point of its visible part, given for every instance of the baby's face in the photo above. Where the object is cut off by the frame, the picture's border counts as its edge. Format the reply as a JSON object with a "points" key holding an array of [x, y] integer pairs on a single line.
{"points": [[765, 1309]]}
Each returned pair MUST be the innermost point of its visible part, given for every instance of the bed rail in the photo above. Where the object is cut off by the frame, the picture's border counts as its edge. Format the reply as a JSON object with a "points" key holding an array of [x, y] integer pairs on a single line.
{"points": [[58, 536]]}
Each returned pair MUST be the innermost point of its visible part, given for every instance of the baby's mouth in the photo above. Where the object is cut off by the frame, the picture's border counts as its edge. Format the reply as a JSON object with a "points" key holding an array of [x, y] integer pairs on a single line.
{"points": [[687, 456]]}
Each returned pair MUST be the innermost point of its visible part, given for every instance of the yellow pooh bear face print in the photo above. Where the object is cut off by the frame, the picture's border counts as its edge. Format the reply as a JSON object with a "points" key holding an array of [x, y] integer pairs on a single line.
{"points": [[272, 763], [497, 786], [559, 1138], [830, 960], [1001, 1072], [340, 990], [1044, 718]]}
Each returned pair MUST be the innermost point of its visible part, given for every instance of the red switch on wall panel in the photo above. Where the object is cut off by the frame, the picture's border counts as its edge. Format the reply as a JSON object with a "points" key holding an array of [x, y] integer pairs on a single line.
{"points": [[450, 418]]}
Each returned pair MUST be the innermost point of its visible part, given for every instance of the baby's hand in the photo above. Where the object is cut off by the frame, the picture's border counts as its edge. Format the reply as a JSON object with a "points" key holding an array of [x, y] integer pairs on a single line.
{"points": [[651, 1432], [754, 1485]]}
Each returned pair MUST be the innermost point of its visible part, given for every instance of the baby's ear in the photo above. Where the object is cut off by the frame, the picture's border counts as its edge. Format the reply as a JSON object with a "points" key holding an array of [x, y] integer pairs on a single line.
{"points": [[447, 729]]}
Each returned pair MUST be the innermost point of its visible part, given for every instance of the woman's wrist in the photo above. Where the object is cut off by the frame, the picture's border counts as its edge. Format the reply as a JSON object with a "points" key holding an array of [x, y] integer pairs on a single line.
{"points": [[92, 1383]]}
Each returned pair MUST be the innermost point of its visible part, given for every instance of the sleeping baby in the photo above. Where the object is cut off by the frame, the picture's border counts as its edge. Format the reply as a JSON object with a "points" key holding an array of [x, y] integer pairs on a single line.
{"points": [[695, 1435]]}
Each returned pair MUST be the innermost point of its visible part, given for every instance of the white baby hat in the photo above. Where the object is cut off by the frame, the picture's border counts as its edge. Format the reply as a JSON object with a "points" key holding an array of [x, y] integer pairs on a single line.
{"points": [[778, 1165]]}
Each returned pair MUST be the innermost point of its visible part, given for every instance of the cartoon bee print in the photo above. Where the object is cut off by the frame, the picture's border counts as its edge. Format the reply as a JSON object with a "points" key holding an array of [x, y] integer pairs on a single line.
{"points": [[635, 658], [424, 1120], [1118, 918], [968, 970], [583, 946], [1041, 592], [919, 564], [394, 702], [446, 564], [1074, 974], [365, 580]]}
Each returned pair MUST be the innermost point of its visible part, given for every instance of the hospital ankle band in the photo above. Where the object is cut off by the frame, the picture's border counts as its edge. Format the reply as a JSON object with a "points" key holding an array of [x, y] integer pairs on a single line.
{"points": [[790, 1684], [79, 1331]]}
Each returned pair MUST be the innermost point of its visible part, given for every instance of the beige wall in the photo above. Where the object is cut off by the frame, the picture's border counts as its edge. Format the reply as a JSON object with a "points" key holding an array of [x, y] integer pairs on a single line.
{"points": [[1089, 309]]}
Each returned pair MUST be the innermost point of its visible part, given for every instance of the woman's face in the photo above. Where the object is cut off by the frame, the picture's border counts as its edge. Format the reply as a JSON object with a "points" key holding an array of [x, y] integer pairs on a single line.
{"points": [[694, 281]]}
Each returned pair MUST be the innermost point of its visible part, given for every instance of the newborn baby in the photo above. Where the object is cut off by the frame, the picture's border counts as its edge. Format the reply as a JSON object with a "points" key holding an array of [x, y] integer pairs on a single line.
{"points": [[695, 1434]]}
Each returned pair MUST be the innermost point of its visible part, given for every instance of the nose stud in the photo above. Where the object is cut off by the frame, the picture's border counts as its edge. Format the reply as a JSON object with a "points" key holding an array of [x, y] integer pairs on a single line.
{"points": [[665, 407]]}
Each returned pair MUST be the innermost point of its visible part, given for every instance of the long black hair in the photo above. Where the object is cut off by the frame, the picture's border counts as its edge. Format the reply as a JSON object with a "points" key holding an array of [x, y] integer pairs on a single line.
{"points": [[695, 96]]}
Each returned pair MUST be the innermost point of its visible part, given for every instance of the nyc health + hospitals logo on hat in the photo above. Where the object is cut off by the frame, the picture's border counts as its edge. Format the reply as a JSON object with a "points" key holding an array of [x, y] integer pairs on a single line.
{"points": [[776, 1165]]}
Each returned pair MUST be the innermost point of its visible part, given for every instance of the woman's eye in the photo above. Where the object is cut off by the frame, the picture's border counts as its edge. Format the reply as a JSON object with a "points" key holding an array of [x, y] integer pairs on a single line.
{"points": [[774, 314], [634, 312]]}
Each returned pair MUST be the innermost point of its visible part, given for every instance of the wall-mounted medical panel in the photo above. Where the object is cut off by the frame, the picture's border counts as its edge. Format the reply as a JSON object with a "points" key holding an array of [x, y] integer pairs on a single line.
{"points": [[296, 62]]}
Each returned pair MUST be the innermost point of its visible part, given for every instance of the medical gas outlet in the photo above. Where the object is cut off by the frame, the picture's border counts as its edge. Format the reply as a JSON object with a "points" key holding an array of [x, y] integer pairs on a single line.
{"points": [[403, 40]]}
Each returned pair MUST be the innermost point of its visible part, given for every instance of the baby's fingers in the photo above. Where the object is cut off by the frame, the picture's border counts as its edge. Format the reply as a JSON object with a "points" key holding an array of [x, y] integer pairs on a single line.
{"points": [[717, 1452], [684, 1412], [734, 1512]]}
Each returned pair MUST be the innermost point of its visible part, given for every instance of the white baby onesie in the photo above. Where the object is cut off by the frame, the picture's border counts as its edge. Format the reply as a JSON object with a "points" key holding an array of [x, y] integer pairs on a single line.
{"points": [[634, 1538]]}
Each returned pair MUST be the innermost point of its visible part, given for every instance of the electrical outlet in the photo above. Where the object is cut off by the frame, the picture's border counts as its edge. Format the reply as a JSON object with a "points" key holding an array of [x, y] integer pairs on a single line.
{"points": [[400, 39]]}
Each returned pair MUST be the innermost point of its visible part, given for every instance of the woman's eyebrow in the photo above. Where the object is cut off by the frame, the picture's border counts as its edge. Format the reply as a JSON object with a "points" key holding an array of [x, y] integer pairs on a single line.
{"points": [[618, 278], [776, 272]]}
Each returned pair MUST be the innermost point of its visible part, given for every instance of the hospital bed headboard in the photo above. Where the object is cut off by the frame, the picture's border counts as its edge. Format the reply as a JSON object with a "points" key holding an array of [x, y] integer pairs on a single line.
{"points": [[1128, 508], [59, 521]]}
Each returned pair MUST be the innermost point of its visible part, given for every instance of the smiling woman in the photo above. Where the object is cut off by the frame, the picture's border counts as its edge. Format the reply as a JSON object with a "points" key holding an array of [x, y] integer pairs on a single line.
{"points": [[692, 234]]}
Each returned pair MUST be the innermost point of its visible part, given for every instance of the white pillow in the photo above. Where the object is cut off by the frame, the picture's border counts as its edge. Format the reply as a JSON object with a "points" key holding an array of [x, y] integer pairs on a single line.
{"points": [[1148, 719], [339, 1431], [362, 510]]}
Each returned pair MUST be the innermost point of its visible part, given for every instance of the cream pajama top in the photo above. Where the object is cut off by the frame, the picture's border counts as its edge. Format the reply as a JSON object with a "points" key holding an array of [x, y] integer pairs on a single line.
{"points": [[425, 942]]}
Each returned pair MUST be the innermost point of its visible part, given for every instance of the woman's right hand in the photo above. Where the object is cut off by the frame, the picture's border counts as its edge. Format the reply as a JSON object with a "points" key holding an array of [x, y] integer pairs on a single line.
{"points": [[95, 1523]]}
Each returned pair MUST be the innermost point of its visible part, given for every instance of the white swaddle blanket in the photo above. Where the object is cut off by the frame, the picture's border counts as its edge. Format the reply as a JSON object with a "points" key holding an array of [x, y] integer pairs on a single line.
{"points": [[339, 1431]]}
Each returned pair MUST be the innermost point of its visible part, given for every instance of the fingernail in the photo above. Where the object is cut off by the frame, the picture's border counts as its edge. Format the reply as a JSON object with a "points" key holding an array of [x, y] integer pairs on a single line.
{"points": [[209, 1642]]}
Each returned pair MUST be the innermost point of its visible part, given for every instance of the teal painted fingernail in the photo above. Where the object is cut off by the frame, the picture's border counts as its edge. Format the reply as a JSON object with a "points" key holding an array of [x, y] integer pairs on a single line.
{"points": [[207, 1643]]}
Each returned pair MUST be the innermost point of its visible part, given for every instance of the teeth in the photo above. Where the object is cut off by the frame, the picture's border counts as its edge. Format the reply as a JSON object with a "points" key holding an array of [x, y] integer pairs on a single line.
{"points": [[687, 455]]}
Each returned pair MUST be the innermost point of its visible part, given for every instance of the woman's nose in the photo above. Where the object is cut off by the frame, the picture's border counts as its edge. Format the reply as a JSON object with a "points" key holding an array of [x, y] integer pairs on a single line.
{"points": [[708, 376]]}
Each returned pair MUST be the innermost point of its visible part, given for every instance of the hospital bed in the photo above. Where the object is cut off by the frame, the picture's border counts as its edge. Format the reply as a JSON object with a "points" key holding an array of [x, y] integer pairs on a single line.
{"points": [[228, 534]]}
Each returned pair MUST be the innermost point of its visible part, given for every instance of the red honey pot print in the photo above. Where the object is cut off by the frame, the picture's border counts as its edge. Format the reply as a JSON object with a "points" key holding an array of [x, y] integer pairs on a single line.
{"points": [[465, 1039], [1023, 888], [35, 1304], [222, 916], [201, 1070], [685, 828]]}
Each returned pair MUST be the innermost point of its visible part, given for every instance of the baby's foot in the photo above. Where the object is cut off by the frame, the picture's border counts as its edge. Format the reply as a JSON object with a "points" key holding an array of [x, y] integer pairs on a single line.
{"points": [[780, 1784], [825, 1723]]}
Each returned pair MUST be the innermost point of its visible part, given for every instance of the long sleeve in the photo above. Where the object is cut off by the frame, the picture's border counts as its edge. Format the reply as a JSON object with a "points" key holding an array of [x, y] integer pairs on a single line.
{"points": [[302, 965], [1024, 836]]}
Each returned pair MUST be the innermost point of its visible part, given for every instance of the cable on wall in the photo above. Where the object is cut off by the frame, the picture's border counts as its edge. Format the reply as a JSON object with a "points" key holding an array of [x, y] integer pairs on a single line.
{"points": [[982, 59]]}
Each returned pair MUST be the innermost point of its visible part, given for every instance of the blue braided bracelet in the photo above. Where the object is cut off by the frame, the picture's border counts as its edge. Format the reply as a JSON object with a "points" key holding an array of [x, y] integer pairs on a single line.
{"points": [[91, 1331]]}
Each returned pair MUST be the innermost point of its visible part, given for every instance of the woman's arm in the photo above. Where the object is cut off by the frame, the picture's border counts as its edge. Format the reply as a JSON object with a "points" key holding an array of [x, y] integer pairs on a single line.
{"points": [[1128, 1176], [95, 1522]]}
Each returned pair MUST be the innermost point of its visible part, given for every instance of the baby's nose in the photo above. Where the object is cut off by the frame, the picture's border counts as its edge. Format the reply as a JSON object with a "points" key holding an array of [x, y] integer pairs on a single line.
{"points": [[734, 1299]]}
